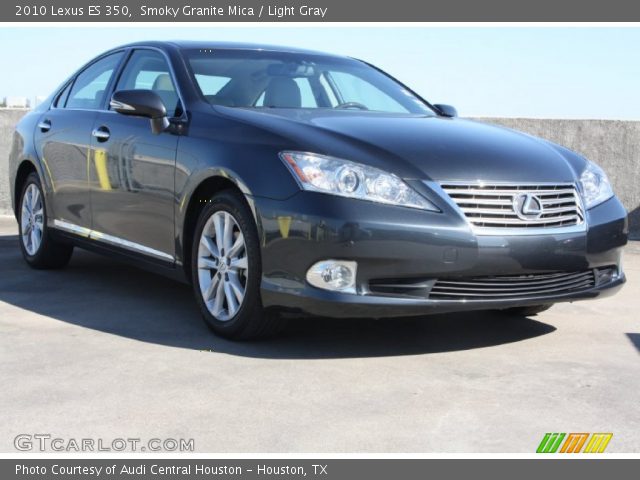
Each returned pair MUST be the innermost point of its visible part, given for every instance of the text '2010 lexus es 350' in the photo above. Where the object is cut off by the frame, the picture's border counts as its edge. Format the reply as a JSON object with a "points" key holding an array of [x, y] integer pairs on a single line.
{"points": [[281, 180]]}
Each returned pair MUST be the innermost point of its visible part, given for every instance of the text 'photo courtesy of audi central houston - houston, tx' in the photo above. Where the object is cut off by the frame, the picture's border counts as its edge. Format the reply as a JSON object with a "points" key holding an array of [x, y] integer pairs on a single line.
{"points": [[282, 182]]}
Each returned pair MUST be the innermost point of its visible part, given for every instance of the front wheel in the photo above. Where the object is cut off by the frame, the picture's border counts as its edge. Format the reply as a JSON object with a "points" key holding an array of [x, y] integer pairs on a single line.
{"points": [[38, 248], [226, 269]]}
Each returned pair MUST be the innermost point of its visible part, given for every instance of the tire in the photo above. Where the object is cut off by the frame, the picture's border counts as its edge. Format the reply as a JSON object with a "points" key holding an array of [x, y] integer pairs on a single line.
{"points": [[226, 270], [529, 311], [38, 248]]}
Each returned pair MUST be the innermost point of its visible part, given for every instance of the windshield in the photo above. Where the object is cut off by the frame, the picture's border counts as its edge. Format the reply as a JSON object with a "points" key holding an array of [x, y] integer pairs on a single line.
{"points": [[264, 79]]}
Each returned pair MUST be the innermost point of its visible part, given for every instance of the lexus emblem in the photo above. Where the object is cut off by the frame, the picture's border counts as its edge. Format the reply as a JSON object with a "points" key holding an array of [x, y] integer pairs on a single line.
{"points": [[527, 206]]}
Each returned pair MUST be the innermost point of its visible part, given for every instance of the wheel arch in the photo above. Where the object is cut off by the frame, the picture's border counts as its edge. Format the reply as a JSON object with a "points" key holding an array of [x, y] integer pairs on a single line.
{"points": [[204, 189], [25, 168]]}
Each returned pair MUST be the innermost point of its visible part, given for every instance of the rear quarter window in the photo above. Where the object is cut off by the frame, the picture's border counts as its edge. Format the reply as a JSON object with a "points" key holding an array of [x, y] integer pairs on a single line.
{"points": [[61, 99]]}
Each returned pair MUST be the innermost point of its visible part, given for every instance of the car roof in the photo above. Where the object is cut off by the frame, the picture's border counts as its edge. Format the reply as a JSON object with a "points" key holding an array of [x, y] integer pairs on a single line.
{"points": [[202, 45]]}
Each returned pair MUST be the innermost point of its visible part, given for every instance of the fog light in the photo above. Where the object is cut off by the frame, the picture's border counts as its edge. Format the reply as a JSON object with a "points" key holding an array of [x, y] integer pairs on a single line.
{"points": [[606, 275], [336, 275]]}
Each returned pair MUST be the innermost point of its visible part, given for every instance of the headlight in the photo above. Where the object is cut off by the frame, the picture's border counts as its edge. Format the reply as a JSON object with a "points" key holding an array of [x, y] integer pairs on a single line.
{"points": [[595, 186], [324, 174]]}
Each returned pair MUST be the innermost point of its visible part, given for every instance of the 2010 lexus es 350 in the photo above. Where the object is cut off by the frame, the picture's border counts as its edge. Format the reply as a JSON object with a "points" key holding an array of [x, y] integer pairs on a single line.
{"points": [[281, 180]]}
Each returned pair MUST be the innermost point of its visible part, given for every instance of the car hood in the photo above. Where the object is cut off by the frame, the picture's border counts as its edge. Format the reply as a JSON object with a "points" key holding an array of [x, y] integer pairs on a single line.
{"points": [[420, 147]]}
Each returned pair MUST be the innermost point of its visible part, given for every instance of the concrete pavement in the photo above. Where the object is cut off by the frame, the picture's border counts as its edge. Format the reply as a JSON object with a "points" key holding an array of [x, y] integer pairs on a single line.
{"points": [[103, 350]]}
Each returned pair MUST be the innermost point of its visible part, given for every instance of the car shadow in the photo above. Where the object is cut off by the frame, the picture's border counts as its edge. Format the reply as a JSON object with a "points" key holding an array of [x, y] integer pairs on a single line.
{"points": [[635, 340], [108, 296]]}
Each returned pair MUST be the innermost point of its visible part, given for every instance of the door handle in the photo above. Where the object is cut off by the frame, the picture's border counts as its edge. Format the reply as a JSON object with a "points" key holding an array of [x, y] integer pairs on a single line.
{"points": [[44, 125], [101, 134]]}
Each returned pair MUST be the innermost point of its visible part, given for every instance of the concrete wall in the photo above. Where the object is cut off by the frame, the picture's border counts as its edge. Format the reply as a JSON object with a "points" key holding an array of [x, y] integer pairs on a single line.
{"points": [[8, 119], [615, 145], [612, 144]]}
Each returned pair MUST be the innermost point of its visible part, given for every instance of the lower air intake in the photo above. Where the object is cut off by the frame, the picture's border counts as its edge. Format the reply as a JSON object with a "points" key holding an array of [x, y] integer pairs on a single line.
{"points": [[511, 286]]}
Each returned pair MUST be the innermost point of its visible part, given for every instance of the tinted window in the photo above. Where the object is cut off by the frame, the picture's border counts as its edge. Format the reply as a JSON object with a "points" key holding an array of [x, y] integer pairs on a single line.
{"points": [[354, 89], [267, 79], [149, 70], [307, 99], [210, 84], [62, 97], [91, 85]]}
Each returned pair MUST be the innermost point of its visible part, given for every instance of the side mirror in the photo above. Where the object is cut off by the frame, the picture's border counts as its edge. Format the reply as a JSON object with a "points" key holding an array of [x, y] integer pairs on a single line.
{"points": [[446, 110], [142, 103]]}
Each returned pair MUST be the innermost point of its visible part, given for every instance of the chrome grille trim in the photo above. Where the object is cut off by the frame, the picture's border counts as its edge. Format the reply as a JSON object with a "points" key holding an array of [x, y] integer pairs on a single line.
{"points": [[510, 286], [489, 207]]}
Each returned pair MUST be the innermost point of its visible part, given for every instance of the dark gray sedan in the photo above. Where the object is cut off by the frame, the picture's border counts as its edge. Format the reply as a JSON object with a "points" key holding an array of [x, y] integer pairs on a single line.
{"points": [[280, 180]]}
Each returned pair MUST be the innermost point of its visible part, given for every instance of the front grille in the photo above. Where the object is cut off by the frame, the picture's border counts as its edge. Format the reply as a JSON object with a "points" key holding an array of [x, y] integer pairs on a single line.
{"points": [[511, 286], [500, 205]]}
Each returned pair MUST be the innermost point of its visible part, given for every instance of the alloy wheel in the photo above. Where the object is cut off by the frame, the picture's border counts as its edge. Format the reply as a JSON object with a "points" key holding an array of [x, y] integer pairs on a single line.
{"points": [[223, 267], [32, 219]]}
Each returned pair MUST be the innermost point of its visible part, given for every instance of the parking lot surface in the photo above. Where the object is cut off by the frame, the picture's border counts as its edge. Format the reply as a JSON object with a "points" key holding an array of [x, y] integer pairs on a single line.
{"points": [[102, 350]]}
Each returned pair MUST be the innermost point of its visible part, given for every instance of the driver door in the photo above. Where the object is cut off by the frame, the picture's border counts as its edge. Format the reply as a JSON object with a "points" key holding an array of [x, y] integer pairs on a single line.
{"points": [[131, 175]]}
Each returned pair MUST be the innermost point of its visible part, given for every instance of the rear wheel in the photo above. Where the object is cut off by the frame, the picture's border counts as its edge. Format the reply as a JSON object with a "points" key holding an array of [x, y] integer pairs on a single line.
{"points": [[226, 270], [38, 248], [529, 311]]}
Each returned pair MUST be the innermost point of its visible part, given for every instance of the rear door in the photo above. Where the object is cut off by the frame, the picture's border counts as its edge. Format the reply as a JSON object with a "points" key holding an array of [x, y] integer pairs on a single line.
{"points": [[132, 172], [63, 140]]}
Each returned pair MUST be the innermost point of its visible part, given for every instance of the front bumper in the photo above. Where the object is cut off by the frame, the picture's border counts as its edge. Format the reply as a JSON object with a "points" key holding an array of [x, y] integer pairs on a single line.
{"points": [[402, 243]]}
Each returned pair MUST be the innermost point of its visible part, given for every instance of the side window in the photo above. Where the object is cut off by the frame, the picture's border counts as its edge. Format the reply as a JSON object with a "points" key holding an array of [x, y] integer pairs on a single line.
{"points": [[210, 85], [355, 89], [89, 89], [307, 100], [328, 90], [61, 99], [148, 70]]}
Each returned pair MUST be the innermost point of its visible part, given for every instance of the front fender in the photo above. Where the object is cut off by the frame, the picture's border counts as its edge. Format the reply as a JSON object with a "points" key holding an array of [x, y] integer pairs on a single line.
{"points": [[242, 158]]}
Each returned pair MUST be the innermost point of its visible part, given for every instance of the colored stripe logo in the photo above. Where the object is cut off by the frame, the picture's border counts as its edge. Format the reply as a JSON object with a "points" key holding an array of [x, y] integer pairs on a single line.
{"points": [[598, 442], [574, 443]]}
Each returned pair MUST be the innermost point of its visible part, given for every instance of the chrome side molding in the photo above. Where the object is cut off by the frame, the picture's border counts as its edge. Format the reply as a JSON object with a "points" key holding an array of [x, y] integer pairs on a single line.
{"points": [[110, 239]]}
